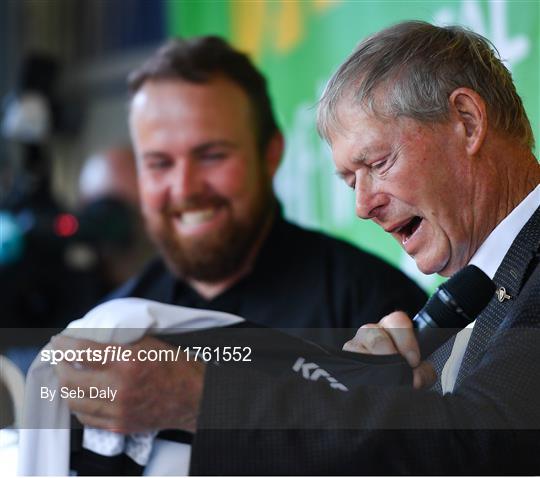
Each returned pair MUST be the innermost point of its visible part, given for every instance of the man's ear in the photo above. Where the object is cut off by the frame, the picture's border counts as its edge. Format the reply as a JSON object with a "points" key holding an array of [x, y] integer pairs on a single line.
{"points": [[469, 109], [274, 152]]}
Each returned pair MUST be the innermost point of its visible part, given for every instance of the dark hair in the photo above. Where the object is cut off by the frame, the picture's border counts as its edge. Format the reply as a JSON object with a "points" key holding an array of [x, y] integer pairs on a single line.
{"points": [[197, 60], [416, 66]]}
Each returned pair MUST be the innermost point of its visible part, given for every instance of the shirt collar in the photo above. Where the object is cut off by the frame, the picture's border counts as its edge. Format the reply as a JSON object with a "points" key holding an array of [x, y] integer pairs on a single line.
{"points": [[490, 254]]}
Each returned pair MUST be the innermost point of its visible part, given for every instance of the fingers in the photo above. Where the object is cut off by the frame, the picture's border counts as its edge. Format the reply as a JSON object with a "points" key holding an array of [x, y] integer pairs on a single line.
{"points": [[82, 353], [142, 388], [113, 423], [400, 328], [90, 407], [393, 334], [424, 376], [95, 421], [73, 377], [371, 339]]}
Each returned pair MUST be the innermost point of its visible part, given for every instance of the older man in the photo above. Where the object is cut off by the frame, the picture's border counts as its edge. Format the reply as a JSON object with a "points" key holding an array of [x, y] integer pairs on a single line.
{"points": [[426, 126], [207, 147]]}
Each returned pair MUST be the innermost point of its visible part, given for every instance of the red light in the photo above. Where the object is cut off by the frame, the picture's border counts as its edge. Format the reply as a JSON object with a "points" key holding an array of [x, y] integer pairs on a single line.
{"points": [[65, 225]]}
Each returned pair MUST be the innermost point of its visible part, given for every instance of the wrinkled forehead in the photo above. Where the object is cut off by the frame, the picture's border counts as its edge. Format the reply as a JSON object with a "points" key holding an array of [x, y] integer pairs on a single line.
{"points": [[341, 114], [352, 121]]}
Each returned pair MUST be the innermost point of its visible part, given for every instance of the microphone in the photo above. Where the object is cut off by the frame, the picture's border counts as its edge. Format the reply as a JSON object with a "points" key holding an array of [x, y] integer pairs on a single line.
{"points": [[453, 306]]}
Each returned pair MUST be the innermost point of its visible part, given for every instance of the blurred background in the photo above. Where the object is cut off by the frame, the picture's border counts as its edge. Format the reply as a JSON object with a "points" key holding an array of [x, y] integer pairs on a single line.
{"points": [[65, 165]]}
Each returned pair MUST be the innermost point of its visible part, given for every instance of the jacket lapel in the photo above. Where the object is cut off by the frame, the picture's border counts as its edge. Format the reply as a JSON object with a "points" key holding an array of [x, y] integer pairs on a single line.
{"points": [[509, 279]]}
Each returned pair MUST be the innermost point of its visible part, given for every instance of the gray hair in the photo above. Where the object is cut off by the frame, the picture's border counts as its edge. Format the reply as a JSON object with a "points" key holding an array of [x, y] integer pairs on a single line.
{"points": [[411, 69]]}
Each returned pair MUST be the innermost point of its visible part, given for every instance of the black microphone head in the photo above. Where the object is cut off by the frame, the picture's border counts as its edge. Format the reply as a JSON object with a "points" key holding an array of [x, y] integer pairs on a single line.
{"points": [[471, 288], [455, 304], [458, 301]]}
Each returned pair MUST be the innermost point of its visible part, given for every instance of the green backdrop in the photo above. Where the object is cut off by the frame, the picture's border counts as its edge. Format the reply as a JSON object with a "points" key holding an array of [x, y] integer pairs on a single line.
{"points": [[298, 44]]}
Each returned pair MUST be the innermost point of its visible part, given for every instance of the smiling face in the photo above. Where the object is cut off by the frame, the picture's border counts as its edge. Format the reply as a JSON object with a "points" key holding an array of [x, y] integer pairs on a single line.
{"points": [[205, 189], [415, 181]]}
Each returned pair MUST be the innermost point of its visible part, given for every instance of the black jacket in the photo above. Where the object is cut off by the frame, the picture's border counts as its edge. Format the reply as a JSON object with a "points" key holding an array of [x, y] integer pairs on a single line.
{"points": [[251, 424]]}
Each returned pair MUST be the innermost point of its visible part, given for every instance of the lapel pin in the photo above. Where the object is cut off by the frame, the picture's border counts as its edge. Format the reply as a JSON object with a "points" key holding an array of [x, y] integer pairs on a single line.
{"points": [[502, 295]]}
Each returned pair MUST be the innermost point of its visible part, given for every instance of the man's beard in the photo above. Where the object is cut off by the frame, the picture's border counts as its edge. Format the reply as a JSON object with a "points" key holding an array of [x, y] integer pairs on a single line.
{"points": [[217, 255]]}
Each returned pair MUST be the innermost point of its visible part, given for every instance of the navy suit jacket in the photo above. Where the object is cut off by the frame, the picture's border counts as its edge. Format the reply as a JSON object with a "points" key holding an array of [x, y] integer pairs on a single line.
{"points": [[251, 424]]}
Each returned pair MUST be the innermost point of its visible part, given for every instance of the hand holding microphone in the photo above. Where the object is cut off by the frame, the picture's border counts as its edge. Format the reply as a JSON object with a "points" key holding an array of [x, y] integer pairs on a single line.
{"points": [[452, 307]]}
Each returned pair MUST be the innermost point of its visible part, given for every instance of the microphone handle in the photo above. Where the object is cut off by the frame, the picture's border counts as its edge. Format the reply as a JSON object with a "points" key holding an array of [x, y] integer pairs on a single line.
{"points": [[429, 335]]}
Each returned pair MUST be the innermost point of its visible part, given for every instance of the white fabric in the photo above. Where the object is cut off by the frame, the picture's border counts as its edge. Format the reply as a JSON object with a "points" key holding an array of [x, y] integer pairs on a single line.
{"points": [[45, 451], [168, 459], [488, 258], [8, 451], [137, 446]]}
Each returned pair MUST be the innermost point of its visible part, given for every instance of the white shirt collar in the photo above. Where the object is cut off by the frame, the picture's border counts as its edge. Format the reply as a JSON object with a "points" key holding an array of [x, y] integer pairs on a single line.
{"points": [[490, 254]]}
